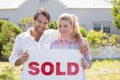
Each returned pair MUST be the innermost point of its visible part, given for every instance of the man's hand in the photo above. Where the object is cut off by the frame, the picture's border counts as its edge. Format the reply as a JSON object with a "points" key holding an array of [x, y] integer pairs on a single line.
{"points": [[23, 57], [82, 46]]}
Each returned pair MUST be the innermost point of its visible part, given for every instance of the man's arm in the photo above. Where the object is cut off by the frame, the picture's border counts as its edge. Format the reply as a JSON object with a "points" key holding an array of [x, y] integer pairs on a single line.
{"points": [[14, 57], [81, 44], [18, 57], [15, 52]]}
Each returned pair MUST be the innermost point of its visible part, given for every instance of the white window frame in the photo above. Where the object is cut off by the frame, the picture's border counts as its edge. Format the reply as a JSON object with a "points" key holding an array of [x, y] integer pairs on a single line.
{"points": [[43, 1], [7, 19], [97, 26], [105, 26]]}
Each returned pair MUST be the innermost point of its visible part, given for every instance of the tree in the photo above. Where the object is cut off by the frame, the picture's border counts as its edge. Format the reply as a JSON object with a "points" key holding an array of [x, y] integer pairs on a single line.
{"points": [[116, 13]]}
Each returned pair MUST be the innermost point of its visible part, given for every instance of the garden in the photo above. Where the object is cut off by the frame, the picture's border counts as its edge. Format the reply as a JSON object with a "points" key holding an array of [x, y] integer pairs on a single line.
{"points": [[102, 69], [107, 69]]}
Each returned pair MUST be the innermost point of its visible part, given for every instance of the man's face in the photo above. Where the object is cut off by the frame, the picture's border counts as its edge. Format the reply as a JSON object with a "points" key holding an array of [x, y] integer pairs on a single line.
{"points": [[40, 24]]}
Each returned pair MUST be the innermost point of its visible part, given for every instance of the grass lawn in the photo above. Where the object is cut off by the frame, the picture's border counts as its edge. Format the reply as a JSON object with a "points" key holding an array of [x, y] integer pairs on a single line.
{"points": [[8, 72], [100, 70], [104, 70]]}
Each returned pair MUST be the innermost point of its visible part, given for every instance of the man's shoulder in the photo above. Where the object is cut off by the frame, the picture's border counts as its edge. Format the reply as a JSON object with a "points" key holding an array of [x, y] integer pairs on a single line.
{"points": [[22, 35], [50, 31]]}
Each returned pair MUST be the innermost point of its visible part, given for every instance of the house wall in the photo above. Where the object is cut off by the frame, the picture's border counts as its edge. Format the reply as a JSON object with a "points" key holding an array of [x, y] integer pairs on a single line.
{"points": [[86, 16]]}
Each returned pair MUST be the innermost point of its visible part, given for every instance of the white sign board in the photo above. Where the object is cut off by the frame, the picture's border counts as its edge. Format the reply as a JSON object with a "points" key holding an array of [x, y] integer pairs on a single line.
{"points": [[60, 64]]}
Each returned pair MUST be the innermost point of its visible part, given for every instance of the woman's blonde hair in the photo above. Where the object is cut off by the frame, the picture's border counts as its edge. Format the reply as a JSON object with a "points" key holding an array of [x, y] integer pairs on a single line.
{"points": [[73, 21]]}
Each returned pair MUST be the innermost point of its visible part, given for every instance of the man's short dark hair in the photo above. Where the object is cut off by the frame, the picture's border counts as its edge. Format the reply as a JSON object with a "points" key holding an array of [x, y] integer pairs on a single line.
{"points": [[44, 12]]}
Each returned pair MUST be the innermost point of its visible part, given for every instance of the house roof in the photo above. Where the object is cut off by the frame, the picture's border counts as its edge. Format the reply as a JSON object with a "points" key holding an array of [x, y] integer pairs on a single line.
{"points": [[14, 4], [87, 3], [11, 4]]}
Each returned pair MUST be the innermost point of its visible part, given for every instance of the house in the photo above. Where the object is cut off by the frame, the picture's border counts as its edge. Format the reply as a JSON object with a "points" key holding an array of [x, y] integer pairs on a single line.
{"points": [[92, 14]]}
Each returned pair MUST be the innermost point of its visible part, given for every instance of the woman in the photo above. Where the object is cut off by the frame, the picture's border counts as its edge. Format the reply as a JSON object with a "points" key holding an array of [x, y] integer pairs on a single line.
{"points": [[68, 28]]}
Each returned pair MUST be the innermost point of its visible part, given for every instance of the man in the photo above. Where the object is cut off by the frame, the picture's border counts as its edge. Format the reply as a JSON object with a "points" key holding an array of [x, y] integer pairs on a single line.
{"points": [[36, 37]]}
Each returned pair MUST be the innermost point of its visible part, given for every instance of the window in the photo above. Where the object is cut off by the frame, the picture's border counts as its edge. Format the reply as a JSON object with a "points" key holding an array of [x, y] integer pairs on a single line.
{"points": [[43, 0], [97, 26], [104, 26], [7, 19]]}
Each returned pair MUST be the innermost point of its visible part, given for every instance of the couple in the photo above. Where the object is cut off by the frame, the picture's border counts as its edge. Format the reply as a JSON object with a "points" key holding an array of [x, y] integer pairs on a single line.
{"points": [[66, 37]]}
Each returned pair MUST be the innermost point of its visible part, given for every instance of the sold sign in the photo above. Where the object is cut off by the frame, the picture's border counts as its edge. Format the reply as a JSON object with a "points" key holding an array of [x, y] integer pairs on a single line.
{"points": [[54, 64]]}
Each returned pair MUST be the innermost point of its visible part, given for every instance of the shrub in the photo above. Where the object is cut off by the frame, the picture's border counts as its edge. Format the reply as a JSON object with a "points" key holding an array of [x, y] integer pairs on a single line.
{"points": [[83, 31], [7, 49], [99, 38], [8, 32], [53, 25]]}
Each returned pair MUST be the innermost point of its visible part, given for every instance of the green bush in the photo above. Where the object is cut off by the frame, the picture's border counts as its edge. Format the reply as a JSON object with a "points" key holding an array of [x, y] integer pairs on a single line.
{"points": [[83, 31], [8, 32], [99, 38], [53, 25], [6, 77], [7, 49], [7, 73]]}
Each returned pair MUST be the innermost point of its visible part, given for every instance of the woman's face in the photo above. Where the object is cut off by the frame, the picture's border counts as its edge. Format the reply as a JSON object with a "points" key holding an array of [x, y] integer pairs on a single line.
{"points": [[65, 28]]}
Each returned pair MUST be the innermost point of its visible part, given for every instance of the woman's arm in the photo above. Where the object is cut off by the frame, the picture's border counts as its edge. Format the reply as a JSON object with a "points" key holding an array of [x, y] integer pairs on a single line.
{"points": [[87, 58]]}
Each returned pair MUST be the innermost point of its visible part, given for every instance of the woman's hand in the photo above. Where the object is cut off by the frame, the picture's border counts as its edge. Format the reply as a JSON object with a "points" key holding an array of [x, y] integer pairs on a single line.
{"points": [[85, 64]]}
